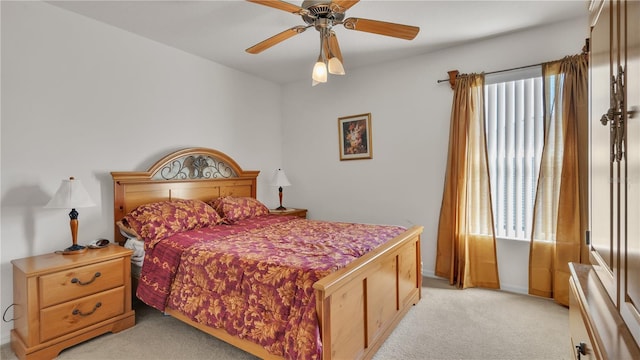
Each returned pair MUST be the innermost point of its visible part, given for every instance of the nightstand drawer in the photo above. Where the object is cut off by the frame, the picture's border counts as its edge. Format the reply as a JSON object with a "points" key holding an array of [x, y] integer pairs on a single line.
{"points": [[73, 315], [74, 283]]}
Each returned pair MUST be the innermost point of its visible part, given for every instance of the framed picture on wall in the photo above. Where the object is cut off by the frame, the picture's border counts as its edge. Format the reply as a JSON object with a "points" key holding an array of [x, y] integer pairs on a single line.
{"points": [[354, 136]]}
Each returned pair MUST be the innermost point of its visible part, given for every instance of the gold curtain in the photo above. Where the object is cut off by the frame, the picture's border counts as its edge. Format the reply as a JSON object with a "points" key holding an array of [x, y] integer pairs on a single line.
{"points": [[560, 213], [466, 253]]}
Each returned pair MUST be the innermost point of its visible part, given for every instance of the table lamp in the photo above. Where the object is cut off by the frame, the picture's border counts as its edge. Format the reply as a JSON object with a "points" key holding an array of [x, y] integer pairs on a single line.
{"points": [[71, 194], [280, 180]]}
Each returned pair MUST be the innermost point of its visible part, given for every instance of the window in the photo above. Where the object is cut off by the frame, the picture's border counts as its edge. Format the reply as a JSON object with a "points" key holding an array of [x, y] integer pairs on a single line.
{"points": [[514, 116]]}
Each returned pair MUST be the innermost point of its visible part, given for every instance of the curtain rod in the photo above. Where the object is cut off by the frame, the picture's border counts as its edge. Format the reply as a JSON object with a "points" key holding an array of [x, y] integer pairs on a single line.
{"points": [[454, 73]]}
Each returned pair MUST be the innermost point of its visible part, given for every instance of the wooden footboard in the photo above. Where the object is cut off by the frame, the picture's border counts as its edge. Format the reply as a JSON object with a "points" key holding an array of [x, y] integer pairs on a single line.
{"points": [[360, 305]]}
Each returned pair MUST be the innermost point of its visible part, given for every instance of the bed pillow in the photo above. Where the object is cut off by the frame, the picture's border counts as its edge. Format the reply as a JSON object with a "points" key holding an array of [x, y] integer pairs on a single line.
{"points": [[156, 221], [232, 209]]}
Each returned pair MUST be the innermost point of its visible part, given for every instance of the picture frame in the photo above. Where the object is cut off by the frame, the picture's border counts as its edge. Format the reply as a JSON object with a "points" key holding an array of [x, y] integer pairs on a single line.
{"points": [[354, 137]]}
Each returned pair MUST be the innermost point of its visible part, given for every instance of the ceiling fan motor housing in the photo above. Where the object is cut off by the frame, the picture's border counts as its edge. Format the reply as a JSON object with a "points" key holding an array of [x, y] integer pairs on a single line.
{"points": [[321, 13]]}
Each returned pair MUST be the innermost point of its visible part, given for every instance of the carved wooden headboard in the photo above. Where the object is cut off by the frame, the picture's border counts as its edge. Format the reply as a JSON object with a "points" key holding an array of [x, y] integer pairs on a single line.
{"points": [[193, 173]]}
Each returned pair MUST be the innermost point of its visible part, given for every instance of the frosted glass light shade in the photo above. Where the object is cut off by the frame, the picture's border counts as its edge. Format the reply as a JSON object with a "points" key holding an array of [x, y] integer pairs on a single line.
{"points": [[335, 66], [319, 72]]}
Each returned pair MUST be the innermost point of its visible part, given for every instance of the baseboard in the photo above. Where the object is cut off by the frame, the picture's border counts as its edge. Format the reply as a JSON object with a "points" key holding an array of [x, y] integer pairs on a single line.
{"points": [[504, 287], [429, 273], [514, 289]]}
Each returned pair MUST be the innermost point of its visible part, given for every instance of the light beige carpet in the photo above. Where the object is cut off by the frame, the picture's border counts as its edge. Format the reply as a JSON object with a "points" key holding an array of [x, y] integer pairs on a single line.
{"points": [[446, 324]]}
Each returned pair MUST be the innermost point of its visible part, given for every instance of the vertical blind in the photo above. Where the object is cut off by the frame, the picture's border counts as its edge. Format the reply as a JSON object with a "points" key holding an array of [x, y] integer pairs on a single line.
{"points": [[514, 116]]}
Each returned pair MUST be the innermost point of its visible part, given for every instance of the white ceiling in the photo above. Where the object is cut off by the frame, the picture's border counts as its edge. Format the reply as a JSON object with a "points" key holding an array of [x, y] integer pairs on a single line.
{"points": [[222, 30]]}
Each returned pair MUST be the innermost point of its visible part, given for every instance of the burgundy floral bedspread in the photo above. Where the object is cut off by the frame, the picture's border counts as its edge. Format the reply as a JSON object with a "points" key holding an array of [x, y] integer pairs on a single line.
{"points": [[161, 261], [257, 283]]}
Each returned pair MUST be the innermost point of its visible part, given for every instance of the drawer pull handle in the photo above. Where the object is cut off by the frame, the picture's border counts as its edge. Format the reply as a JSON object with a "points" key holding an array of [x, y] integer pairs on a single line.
{"points": [[78, 312], [77, 281]]}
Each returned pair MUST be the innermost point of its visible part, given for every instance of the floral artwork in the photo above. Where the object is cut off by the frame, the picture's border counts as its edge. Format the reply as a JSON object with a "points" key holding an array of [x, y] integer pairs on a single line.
{"points": [[355, 137]]}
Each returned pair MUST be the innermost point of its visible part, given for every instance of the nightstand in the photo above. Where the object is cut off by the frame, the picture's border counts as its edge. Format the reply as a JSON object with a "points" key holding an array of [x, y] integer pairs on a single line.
{"points": [[63, 300], [290, 211]]}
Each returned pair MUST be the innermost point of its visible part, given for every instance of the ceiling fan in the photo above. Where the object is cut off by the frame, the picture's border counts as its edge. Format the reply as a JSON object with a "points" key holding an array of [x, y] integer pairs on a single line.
{"points": [[323, 15]]}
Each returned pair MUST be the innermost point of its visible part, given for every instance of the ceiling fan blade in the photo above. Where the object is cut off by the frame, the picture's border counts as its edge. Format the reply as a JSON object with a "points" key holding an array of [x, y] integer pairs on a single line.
{"points": [[280, 5], [276, 39], [345, 4], [382, 28], [332, 43]]}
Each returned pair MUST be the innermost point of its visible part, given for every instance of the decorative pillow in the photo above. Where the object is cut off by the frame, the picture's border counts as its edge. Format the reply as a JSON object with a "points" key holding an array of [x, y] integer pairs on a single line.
{"points": [[156, 221], [233, 209]]}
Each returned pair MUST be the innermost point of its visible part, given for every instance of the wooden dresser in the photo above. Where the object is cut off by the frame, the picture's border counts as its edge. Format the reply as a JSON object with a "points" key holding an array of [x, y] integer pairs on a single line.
{"points": [[62, 300], [595, 322], [605, 294]]}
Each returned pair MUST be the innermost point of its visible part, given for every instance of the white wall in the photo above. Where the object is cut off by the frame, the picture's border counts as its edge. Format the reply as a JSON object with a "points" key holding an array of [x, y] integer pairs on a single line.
{"points": [[81, 99], [403, 182]]}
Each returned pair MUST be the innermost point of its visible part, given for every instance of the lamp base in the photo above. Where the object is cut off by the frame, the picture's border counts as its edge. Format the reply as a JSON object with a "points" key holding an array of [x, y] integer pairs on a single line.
{"points": [[281, 208], [74, 249]]}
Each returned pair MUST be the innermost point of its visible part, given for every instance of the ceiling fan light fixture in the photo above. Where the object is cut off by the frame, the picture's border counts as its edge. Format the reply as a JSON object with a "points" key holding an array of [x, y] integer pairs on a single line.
{"points": [[335, 66], [319, 71]]}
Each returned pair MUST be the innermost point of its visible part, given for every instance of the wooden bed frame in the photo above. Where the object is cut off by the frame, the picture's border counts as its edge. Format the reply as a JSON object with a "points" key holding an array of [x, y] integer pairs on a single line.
{"points": [[358, 306]]}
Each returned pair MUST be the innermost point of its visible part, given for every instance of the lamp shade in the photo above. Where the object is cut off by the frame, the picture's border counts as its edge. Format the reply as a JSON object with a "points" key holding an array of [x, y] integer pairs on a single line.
{"points": [[280, 179], [70, 195]]}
